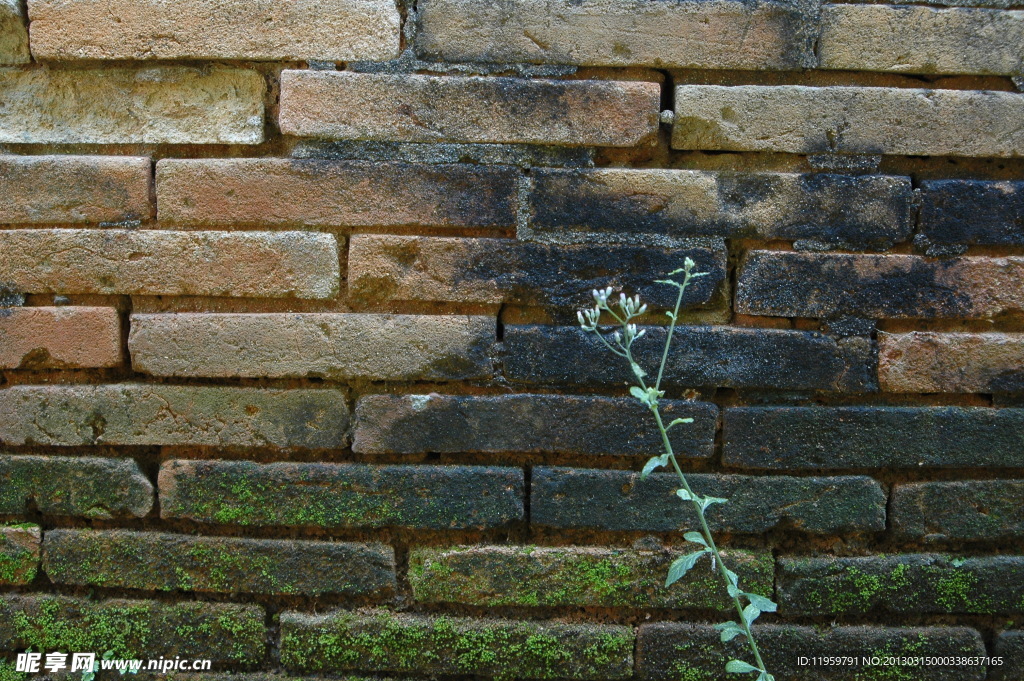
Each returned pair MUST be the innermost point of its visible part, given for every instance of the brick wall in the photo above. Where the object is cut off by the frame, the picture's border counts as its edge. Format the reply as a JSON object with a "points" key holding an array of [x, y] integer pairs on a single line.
{"points": [[289, 371]]}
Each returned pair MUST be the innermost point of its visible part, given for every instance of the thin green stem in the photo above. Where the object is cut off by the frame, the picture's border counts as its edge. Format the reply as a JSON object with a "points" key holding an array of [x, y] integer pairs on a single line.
{"points": [[671, 330]]}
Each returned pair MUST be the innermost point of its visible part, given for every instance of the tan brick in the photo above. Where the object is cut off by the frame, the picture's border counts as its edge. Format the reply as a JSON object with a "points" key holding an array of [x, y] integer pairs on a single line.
{"points": [[926, 362], [869, 120], [326, 193], [721, 34], [331, 30], [417, 108], [509, 271], [157, 262], [165, 104], [335, 346], [59, 337], [73, 189], [13, 33], [829, 285], [139, 414], [913, 39]]}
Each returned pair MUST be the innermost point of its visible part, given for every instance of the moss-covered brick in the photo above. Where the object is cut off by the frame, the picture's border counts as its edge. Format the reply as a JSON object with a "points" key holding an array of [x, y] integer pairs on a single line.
{"points": [[527, 423], [871, 437], [411, 107], [1009, 645], [961, 510], [630, 205], [711, 356], [341, 495], [74, 486], [910, 583], [19, 553], [386, 642], [619, 500], [972, 212], [327, 193], [464, 270], [221, 632], [327, 345], [167, 562], [693, 652], [827, 285], [577, 576], [139, 414]]}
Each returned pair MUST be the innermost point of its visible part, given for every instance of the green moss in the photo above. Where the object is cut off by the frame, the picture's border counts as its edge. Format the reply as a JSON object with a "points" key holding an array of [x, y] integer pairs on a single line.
{"points": [[956, 591], [7, 672], [121, 629]]}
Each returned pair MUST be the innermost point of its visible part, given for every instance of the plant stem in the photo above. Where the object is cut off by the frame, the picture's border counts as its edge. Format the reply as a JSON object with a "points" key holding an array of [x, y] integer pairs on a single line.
{"points": [[706, 531]]}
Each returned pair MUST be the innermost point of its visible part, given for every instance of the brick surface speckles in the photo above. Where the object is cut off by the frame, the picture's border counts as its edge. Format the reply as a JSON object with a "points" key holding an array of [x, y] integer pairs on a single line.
{"points": [[59, 337]]}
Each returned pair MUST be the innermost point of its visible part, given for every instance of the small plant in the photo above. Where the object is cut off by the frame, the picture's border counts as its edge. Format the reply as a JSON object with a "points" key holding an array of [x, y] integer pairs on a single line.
{"points": [[623, 312]]}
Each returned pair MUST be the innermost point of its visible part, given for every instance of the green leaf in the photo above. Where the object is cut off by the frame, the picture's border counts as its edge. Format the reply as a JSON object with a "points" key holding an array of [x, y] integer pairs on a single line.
{"points": [[707, 501], [734, 591], [640, 394], [740, 667], [733, 579], [680, 566], [678, 421], [652, 463], [695, 537], [686, 496], [729, 631], [761, 603], [671, 315], [750, 613], [637, 370], [765, 676]]}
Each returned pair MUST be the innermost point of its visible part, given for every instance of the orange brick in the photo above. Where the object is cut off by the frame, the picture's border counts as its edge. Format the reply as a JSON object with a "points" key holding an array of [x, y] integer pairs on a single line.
{"points": [[59, 337]]}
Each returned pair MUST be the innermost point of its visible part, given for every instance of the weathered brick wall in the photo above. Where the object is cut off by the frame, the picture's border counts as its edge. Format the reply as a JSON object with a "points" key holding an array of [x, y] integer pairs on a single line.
{"points": [[289, 371]]}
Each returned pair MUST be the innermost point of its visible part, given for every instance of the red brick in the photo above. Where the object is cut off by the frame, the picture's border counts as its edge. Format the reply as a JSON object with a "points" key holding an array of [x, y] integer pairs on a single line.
{"points": [[59, 337], [926, 362]]}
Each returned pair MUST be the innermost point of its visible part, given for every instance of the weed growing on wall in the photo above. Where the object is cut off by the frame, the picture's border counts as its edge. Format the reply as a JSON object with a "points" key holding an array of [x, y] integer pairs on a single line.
{"points": [[623, 311]]}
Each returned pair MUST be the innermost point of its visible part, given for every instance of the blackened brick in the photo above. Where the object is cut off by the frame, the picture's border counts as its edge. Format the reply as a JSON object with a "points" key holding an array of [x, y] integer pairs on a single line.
{"points": [[340, 495], [74, 486], [715, 356], [527, 423], [872, 437], [907, 583], [864, 211], [506, 649], [668, 651], [169, 562], [961, 510], [825, 285], [972, 212], [618, 500], [521, 273], [1010, 646]]}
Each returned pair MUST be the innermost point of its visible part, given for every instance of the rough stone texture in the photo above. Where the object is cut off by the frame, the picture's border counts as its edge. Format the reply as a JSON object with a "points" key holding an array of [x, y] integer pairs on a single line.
{"points": [[169, 562], [511, 271], [866, 211], [620, 501], [824, 285], [19, 553], [921, 39], [911, 583], [163, 104], [324, 193], [340, 495], [73, 189], [419, 108], [720, 35], [333, 346], [872, 437], [963, 510], [331, 30], [59, 337], [386, 642], [1010, 646], [495, 576], [928, 362], [157, 262], [225, 633], [972, 212], [528, 423], [861, 120], [669, 651], [74, 486], [709, 356], [140, 414], [13, 33]]}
